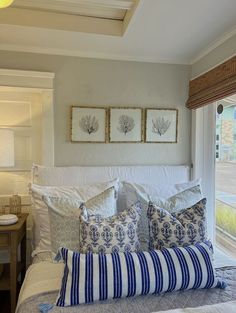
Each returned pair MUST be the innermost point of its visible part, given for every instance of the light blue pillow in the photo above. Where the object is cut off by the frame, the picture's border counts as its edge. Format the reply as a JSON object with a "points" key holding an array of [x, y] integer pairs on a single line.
{"points": [[96, 277]]}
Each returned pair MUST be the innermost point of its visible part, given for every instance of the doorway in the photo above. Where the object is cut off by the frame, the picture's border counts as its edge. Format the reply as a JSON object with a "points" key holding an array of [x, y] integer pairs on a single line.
{"points": [[26, 107], [225, 178]]}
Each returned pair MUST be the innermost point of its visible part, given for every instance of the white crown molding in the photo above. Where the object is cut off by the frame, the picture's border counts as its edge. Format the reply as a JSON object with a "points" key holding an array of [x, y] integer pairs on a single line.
{"points": [[216, 43], [214, 66], [91, 55]]}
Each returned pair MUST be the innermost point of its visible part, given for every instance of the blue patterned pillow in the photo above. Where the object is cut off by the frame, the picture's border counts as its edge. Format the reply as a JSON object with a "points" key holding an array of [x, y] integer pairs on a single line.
{"points": [[92, 277], [183, 228], [117, 233]]}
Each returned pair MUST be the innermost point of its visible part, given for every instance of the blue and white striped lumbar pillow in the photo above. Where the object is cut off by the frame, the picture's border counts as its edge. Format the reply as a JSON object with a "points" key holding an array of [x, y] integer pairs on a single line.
{"points": [[91, 277]]}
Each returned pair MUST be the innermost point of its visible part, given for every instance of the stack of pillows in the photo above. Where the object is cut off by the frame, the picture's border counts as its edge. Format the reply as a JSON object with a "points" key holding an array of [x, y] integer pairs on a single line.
{"points": [[124, 239]]}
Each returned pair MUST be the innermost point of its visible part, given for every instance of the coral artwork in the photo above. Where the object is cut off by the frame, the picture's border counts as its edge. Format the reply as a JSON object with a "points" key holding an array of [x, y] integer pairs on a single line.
{"points": [[89, 124], [160, 125], [126, 124]]}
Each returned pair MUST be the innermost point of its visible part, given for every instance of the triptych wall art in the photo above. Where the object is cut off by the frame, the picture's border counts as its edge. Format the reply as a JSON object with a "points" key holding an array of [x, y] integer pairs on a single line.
{"points": [[127, 125]]}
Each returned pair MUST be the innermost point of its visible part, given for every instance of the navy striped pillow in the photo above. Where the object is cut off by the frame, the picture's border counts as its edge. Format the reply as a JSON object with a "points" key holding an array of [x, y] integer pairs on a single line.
{"points": [[91, 277]]}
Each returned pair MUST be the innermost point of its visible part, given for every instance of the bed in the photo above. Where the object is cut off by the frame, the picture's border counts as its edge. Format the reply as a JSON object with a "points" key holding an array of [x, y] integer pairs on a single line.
{"points": [[43, 277]]}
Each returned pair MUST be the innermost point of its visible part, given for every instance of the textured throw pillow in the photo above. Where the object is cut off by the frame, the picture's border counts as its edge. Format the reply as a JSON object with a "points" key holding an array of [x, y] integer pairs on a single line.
{"points": [[117, 233], [183, 228], [179, 201], [64, 215], [96, 277], [189, 184], [40, 211]]}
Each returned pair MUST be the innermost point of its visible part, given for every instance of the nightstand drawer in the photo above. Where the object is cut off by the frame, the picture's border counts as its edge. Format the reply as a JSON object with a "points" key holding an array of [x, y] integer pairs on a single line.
{"points": [[4, 240]]}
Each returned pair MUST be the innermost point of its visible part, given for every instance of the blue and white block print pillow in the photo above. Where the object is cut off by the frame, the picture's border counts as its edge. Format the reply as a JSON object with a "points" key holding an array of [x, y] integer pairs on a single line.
{"points": [[183, 228], [117, 233], [96, 277]]}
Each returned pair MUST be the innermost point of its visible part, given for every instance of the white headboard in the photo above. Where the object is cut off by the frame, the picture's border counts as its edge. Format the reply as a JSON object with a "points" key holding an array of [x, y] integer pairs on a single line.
{"points": [[79, 175]]}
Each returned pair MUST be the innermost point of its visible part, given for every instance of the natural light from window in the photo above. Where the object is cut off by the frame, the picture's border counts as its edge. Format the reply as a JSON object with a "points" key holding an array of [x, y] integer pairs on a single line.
{"points": [[226, 176]]}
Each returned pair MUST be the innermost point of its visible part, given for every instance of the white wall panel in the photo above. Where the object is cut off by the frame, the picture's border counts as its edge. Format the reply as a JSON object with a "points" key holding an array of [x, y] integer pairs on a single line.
{"points": [[15, 113]]}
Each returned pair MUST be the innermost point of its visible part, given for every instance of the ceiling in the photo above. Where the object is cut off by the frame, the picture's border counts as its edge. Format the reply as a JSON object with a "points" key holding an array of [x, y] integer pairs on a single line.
{"points": [[166, 31]]}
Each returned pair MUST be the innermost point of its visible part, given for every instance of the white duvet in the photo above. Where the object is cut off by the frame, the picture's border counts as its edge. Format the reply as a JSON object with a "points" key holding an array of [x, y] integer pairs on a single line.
{"points": [[41, 277], [228, 307]]}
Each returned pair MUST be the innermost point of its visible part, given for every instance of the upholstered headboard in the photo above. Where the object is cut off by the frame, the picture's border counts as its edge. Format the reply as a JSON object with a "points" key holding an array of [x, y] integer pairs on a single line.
{"points": [[71, 176]]}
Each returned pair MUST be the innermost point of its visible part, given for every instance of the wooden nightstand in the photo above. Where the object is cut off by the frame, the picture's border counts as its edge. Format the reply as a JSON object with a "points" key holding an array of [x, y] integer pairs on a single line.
{"points": [[10, 238]]}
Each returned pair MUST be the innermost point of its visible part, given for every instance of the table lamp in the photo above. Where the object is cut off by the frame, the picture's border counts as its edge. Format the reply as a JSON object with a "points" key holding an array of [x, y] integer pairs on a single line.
{"points": [[6, 148]]}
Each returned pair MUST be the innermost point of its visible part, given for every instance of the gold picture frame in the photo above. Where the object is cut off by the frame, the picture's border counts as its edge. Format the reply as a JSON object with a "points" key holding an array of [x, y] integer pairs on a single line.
{"points": [[161, 125], [89, 124], [126, 125]]}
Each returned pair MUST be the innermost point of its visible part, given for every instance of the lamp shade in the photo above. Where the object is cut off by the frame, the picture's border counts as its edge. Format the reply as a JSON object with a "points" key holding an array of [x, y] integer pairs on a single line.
{"points": [[5, 3], [6, 147]]}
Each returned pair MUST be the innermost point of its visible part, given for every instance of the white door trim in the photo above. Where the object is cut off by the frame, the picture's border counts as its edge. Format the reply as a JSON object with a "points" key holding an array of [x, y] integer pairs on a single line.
{"points": [[203, 158], [39, 82]]}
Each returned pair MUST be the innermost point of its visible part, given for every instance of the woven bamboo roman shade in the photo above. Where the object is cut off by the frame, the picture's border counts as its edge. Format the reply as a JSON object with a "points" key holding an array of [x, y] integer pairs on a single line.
{"points": [[214, 85]]}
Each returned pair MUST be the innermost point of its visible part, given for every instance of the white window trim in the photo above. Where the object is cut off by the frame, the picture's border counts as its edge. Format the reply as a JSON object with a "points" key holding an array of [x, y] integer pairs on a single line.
{"points": [[203, 158]]}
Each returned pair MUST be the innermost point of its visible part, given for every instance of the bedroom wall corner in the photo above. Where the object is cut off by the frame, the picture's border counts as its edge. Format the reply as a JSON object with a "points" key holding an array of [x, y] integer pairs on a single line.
{"points": [[214, 57]]}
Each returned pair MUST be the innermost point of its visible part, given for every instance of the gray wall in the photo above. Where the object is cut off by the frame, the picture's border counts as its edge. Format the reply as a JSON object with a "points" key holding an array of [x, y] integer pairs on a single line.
{"points": [[93, 82], [223, 52]]}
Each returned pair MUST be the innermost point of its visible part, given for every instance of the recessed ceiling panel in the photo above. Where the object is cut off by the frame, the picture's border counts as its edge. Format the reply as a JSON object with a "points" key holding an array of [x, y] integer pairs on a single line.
{"points": [[166, 31], [110, 9], [105, 17]]}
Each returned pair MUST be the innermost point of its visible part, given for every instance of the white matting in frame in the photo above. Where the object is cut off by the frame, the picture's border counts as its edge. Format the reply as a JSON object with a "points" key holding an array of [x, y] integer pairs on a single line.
{"points": [[161, 125], [88, 124], [125, 125]]}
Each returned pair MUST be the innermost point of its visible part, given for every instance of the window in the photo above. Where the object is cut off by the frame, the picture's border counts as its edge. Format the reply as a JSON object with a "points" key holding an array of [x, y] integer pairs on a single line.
{"points": [[218, 137], [217, 147], [234, 137], [235, 113], [217, 155]]}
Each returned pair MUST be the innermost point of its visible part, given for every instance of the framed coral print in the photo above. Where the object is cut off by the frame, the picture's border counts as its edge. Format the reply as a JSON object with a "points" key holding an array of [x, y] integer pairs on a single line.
{"points": [[125, 125], [161, 125], [88, 124]]}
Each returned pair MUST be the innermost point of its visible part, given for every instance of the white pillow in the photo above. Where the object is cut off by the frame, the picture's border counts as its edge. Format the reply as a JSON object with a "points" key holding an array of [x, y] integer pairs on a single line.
{"points": [[189, 184], [182, 200], [126, 197], [41, 228]]}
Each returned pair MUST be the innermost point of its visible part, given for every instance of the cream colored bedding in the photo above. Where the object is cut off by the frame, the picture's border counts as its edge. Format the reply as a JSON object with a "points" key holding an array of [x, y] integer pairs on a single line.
{"points": [[40, 278]]}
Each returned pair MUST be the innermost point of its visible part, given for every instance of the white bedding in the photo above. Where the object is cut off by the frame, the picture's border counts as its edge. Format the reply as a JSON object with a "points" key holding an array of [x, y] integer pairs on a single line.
{"points": [[228, 307], [41, 277], [59, 177], [45, 276]]}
